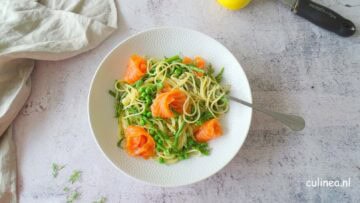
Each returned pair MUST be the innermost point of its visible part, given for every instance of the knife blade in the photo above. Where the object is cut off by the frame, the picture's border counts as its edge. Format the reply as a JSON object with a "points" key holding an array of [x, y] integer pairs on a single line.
{"points": [[322, 16]]}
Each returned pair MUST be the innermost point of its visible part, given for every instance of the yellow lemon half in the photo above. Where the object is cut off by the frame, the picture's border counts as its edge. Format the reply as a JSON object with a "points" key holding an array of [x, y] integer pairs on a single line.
{"points": [[234, 4]]}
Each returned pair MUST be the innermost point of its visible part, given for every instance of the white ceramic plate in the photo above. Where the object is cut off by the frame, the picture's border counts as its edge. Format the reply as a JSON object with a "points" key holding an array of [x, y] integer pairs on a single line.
{"points": [[162, 42]]}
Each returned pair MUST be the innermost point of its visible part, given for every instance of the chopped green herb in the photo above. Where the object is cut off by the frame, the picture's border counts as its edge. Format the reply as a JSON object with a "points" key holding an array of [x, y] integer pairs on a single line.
{"points": [[192, 67], [134, 104], [75, 176], [177, 134], [204, 117], [139, 83], [171, 59], [101, 200], [112, 93], [74, 195], [210, 71], [219, 76], [66, 189], [118, 144], [56, 168]]}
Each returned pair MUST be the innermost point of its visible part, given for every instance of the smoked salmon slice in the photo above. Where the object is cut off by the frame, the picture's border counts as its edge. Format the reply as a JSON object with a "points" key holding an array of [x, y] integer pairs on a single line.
{"points": [[187, 60], [209, 130], [166, 88], [200, 63], [139, 142], [165, 102], [136, 68]]}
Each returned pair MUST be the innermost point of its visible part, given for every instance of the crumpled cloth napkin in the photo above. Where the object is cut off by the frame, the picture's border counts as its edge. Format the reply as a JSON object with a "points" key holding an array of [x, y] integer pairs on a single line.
{"points": [[40, 30]]}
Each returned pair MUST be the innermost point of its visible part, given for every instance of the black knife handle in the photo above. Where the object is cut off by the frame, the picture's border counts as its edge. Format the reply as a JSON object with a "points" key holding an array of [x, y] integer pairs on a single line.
{"points": [[324, 17]]}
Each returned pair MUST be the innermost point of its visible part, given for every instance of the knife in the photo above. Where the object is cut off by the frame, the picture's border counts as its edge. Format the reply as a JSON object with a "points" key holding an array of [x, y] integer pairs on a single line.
{"points": [[322, 17]]}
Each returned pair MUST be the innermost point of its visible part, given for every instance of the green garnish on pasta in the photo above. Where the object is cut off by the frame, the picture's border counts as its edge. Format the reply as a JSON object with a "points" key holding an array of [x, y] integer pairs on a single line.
{"points": [[169, 109]]}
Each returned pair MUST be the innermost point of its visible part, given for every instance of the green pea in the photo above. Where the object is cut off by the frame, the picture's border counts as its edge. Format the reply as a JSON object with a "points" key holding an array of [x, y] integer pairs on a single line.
{"points": [[161, 160], [139, 83], [148, 90], [152, 132], [143, 95], [160, 141], [142, 89], [142, 122], [178, 72], [149, 114], [148, 100], [160, 145], [160, 85]]}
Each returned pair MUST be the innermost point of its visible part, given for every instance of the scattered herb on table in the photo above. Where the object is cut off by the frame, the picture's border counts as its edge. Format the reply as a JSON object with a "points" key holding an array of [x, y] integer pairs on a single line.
{"points": [[101, 200], [56, 168], [74, 195], [75, 176]]}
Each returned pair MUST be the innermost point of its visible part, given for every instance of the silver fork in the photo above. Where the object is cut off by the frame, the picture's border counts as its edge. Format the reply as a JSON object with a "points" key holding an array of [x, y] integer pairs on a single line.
{"points": [[295, 123]]}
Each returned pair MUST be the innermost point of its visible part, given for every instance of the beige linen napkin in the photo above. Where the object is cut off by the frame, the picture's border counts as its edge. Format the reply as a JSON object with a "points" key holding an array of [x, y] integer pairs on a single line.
{"points": [[40, 30]]}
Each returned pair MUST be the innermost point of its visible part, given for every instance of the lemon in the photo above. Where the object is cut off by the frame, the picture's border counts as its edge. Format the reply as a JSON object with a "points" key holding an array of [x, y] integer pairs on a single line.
{"points": [[234, 4]]}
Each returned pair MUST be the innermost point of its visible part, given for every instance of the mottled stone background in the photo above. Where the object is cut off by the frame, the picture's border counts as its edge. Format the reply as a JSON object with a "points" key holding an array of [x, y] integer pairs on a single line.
{"points": [[293, 66]]}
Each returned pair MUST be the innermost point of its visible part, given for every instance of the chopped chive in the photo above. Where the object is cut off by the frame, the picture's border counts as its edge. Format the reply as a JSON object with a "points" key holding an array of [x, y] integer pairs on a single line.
{"points": [[118, 144], [112, 93], [192, 67], [171, 59], [177, 134], [139, 83], [210, 71], [219, 76]]}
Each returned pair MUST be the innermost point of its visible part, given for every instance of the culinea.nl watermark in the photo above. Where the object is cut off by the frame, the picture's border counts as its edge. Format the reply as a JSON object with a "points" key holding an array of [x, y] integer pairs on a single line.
{"points": [[319, 182]]}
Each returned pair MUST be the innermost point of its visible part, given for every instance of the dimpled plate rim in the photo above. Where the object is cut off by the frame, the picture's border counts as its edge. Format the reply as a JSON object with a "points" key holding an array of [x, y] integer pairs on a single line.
{"points": [[160, 42]]}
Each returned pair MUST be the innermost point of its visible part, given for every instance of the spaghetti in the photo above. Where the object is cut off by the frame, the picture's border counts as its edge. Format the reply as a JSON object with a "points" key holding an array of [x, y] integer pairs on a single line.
{"points": [[175, 101]]}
